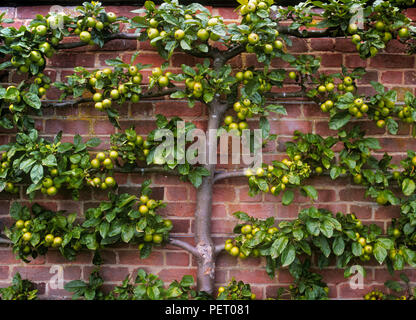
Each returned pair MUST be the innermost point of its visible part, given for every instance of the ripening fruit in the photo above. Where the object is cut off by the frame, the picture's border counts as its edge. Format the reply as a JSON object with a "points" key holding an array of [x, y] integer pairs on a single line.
{"points": [[381, 200], [163, 81], [381, 123], [57, 241], [379, 25], [348, 81], [358, 178], [41, 30], [111, 16], [253, 38], [212, 22], [110, 181], [396, 233], [179, 34], [355, 39], [49, 238], [52, 191], [152, 33], [20, 224], [143, 209], [292, 75], [352, 28], [27, 236], [157, 238], [268, 48], [322, 89], [228, 120], [278, 44], [235, 251], [362, 241], [97, 97], [203, 34], [403, 32], [85, 36], [246, 229], [260, 172]]}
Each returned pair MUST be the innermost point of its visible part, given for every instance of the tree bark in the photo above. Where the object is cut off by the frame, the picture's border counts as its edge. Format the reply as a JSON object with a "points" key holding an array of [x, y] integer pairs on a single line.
{"points": [[203, 212]]}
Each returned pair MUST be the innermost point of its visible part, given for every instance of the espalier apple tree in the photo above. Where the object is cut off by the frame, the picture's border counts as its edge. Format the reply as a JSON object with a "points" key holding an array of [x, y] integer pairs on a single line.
{"points": [[232, 97]]}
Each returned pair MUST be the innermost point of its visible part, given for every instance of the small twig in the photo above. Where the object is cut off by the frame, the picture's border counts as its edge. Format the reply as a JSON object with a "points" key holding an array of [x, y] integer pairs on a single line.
{"points": [[184, 245]]}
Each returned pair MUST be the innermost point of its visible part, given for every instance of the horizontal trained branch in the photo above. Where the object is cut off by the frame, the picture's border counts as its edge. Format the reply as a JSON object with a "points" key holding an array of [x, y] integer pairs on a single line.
{"points": [[184, 245]]}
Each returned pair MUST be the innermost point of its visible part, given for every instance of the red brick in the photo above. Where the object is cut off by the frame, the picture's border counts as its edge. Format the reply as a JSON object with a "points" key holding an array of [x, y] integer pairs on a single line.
{"points": [[354, 61], [133, 258], [392, 61], [176, 108], [4, 272], [289, 126], [177, 259], [70, 60], [169, 275], [331, 60], [345, 45], [387, 212], [28, 12], [394, 77], [322, 44], [176, 193], [224, 194], [73, 126]]}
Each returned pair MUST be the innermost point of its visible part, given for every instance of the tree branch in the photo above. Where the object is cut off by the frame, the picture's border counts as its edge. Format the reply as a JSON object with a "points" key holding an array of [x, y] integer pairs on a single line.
{"points": [[4, 241], [71, 103], [306, 33], [121, 35], [146, 170], [134, 36], [280, 95], [184, 245], [219, 248], [228, 174]]}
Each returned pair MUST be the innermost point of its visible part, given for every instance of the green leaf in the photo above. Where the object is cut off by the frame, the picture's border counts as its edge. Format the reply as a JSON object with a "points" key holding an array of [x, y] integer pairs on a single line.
{"points": [[408, 186], [36, 174], [310, 192], [288, 197], [278, 246], [380, 253], [265, 127], [32, 100], [338, 246], [288, 255], [127, 232], [339, 120]]}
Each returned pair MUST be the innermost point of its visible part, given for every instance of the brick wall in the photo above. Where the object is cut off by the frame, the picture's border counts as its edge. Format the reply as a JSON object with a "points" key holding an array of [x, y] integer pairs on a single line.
{"points": [[392, 67]]}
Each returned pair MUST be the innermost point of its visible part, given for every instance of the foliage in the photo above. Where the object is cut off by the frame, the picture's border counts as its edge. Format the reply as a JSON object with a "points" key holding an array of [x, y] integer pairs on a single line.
{"points": [[124, 219], [403, 289], [236, 291], [38, 229], [48, 166], [342, 237], [19, 290], [164, 146], [146, 286]]}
